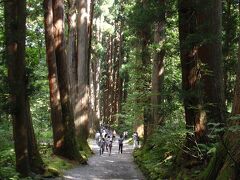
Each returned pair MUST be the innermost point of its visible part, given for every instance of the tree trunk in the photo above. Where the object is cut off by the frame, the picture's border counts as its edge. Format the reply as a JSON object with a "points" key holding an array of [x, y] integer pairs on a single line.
{"points": [[95, 83], [26, 150], [94, 119], [15, 33], [82, 111], [55, 104], [227, 28], [70, 149], [121, 60], [72, 51], [35, 160], [228, 167], [145, 58], [158, 69], [195, 115], [209, 18]]}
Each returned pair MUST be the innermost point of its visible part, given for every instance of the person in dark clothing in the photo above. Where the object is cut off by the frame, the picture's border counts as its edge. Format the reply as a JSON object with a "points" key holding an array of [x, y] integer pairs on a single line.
{"points": [[120, 144], [102, 144], [110, 141]]}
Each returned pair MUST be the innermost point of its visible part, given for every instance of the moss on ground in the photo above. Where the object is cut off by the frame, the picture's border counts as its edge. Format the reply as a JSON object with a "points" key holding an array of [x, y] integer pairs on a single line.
{"points": [[55, 165]]}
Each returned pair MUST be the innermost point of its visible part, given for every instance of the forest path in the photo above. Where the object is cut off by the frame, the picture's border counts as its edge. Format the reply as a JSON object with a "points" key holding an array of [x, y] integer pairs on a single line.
{"points": [[115, 166]]}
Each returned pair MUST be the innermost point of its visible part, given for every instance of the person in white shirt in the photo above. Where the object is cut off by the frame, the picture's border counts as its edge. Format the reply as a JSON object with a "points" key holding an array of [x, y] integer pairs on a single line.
{"points": [[135, 140]]}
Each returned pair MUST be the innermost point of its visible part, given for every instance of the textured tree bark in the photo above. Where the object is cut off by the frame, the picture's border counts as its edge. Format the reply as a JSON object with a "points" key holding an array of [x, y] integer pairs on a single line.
{"points": [[111, 80], [15, 31], [201, 66], [209, 18], [119, 77], [114, 78], [70, 149], [227, 29], [195, 114], [94, 120], [26, 150], [95, 84], [106, 78], [158, 70], [35, 160], [72, 52], [117, 63], [97, 78], [91, 5], [55, 103], [145, 58], [82, 107], [228, 166]]}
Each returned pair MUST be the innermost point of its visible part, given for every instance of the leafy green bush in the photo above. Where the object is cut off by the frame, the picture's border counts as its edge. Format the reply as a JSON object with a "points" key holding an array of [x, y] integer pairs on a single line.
{"points": [[7, 155], [157, 156]]}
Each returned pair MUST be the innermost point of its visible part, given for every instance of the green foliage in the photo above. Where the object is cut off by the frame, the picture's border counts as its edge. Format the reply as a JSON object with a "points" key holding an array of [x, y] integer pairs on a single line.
{"points": [[7, 155], [230, 46], [138, 87], [142, 15], [156, 158], [210, 171]]}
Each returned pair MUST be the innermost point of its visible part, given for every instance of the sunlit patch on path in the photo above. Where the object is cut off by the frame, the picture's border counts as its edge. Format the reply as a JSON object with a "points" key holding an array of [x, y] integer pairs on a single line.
{"points": [[116, 166]]}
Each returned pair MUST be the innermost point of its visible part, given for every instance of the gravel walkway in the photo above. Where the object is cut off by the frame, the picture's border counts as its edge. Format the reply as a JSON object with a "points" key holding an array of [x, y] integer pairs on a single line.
{"points": [[115, 167]]}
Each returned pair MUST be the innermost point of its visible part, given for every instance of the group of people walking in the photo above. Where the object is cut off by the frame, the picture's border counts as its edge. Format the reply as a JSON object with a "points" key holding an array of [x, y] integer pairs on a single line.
{"points": [[105, 138]]}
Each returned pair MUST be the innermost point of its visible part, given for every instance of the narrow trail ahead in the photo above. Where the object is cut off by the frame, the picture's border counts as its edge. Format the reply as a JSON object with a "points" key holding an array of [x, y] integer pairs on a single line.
{"points": [[115, 166]]}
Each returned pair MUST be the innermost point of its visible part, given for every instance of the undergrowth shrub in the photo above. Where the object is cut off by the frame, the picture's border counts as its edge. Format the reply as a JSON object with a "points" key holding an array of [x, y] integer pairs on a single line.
{"points": [[156, 157], [7, 155]]}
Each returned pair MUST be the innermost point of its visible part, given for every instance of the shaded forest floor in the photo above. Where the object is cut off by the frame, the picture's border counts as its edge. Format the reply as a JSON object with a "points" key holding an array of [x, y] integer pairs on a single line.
{"points": [[115, 166]]}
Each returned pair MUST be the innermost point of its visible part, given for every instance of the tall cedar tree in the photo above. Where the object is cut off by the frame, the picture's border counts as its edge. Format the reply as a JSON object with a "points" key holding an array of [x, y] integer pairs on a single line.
{"points": [[67, 145], [194, 113], [201, 59], [228, 166], [209, 18], [144, 35], [158, 67], [70, 144], [72, 50], [55, 104], [26, 150], [83, 68]]}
